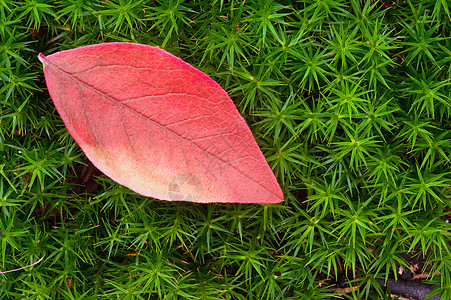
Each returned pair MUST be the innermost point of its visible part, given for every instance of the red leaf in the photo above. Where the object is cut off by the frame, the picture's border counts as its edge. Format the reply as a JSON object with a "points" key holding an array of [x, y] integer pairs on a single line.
{"points": [[157, 125]]}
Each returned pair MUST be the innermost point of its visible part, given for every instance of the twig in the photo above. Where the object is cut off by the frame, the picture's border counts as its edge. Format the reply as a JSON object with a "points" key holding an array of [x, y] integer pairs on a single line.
{"points": [[3, 272], [416, 290]]}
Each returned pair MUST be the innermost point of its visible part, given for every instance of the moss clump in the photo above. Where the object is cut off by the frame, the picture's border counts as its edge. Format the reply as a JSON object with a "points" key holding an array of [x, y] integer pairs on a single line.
{"points": [[349, 101]]}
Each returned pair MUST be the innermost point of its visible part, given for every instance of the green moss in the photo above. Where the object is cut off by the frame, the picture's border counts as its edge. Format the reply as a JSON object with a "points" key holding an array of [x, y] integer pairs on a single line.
{"points": [[349, 100]]}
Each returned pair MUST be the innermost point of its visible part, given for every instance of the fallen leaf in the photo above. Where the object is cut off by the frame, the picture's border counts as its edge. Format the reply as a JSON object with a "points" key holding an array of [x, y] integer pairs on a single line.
{"points": [[157, 125]]}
